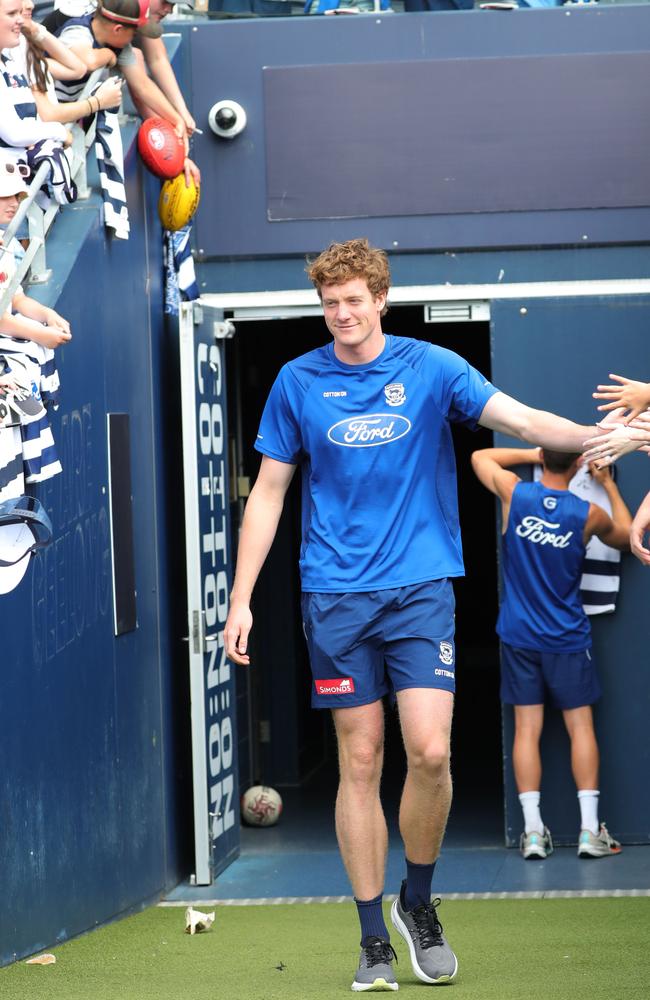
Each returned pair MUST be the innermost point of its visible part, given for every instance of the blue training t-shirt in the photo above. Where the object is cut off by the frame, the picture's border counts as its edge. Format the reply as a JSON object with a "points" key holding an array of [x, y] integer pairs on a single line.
{"points": [[543, 552], [379, 504]]}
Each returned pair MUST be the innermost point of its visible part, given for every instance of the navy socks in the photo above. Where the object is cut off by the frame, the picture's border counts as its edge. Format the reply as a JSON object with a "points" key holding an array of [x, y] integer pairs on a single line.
{"points": [[371, 918], [418, 884]]}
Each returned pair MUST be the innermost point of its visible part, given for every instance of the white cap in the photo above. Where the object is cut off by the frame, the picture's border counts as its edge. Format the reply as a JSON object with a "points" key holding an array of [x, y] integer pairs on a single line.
{"points": [[16, 545], [24, 526], [12, 180]]}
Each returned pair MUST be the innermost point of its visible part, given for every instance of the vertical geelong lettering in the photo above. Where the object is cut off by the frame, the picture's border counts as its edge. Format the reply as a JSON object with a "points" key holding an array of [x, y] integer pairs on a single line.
{"points": [[214, 561]]}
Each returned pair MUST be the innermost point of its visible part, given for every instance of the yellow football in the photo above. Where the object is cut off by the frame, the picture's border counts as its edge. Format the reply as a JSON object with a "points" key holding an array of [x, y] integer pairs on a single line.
{"points": [[178, 203]]}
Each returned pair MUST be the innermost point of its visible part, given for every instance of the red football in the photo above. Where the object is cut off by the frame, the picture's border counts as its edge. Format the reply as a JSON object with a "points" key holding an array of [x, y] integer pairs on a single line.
{"points": [[160, 148]]}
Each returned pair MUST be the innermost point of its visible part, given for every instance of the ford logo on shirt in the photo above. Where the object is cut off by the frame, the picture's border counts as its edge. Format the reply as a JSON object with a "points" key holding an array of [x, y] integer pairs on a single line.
{"points": [[369, 430]]}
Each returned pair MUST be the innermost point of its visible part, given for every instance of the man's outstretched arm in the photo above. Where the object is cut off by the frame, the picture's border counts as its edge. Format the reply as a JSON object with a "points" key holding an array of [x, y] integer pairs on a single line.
{"points": [[538, 427], [263, 510], [508, 416]]}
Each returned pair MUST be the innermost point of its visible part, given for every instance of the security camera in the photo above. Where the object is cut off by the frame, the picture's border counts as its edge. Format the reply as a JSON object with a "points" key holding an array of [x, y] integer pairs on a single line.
{"points": [[227, 119]]}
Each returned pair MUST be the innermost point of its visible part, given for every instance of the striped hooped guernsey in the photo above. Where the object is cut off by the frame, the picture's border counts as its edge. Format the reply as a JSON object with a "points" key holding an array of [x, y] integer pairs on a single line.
{"points": [[19, 125], [78, 30], [69, 90]]}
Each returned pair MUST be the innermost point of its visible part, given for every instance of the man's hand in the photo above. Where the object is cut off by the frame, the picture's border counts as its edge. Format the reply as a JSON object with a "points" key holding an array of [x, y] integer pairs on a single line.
{"points": [[236, 632], [68, 139], [614, 443], [190, 124], [181, 132], [630, 395], [191, 171]]}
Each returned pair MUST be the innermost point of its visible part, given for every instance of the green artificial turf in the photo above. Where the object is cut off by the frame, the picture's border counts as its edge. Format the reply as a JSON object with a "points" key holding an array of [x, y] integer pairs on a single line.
{"points": [[573, 949]]}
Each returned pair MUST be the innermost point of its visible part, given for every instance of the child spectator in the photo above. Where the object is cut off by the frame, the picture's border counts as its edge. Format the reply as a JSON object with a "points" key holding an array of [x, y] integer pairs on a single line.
{"points": [[148, 40]]}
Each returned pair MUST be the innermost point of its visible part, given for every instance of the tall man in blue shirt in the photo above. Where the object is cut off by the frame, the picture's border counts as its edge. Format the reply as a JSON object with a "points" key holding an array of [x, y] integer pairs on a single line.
{"points": [[545, 633], [367, 418]]}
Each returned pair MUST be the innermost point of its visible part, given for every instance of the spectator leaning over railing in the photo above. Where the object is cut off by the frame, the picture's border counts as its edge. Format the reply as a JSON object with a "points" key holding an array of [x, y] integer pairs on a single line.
{"points": [[103, 40], [46, 58], [148, 40], [19, 126]]}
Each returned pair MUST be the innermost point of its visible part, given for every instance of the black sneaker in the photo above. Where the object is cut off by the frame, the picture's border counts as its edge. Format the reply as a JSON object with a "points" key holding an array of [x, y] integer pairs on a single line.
{"points": [[375, 970], [432, 959]]}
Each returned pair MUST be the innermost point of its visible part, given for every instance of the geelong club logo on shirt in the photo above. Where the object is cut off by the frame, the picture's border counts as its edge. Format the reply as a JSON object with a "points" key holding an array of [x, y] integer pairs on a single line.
{"points": [[395, 394], [369, 430], [540, 532], [446, 657]]}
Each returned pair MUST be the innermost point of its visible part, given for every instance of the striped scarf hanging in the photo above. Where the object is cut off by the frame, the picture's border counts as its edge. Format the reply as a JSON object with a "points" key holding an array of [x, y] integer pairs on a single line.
{"points": [[110, 163], [180, 276]]}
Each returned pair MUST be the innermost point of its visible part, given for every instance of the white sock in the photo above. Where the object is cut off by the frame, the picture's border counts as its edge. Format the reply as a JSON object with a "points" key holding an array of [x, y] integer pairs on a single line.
{"points": [[532, 818], [588, 802]]}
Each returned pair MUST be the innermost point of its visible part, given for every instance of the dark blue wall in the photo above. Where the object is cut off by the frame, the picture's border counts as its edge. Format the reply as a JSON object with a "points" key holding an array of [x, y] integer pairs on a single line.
{"points": [[88, 803], [237, 208]]}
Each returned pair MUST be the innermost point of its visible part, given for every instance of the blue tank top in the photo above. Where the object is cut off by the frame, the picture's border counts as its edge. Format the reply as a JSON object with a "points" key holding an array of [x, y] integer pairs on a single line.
{"points": [[379, 507], [543, 552]]}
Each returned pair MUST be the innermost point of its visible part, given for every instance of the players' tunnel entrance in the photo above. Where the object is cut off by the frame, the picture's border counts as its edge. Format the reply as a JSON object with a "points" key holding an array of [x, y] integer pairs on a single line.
{"points": [[290, 745]]}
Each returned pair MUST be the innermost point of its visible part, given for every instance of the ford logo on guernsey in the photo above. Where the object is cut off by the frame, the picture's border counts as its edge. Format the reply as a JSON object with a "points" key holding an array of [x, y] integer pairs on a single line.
{"points": [[369, 430]]}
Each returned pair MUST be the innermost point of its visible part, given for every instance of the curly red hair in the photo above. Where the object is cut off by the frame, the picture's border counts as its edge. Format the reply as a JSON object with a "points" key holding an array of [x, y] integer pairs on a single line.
{"points": [[343, 262]]}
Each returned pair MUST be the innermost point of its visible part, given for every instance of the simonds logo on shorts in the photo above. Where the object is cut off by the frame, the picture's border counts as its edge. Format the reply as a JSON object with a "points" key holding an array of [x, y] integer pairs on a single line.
{"points": [[343, 685]]}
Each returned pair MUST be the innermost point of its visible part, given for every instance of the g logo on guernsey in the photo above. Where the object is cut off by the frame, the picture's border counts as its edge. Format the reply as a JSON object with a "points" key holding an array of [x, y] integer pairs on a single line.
{"points": [[369, 430], [550, 503]]}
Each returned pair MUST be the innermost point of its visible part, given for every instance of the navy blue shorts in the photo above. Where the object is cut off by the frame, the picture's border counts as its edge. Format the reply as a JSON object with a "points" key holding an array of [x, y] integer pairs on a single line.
{"points": [[363, 646], [527, 675]]}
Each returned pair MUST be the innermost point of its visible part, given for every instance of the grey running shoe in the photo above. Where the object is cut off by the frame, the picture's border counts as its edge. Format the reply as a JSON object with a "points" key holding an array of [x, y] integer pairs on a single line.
{"points": [[375, 970], [536, 845], [432, 959], [599, 846]]}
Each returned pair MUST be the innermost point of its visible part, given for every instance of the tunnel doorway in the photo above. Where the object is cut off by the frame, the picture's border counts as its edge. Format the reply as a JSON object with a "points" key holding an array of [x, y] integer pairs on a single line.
{"points": [[291, 746]]}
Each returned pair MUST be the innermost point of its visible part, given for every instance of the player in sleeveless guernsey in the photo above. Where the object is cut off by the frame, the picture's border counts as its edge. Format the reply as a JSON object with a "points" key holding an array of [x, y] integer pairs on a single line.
{"points": [[545, 634], [367, 418]]}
